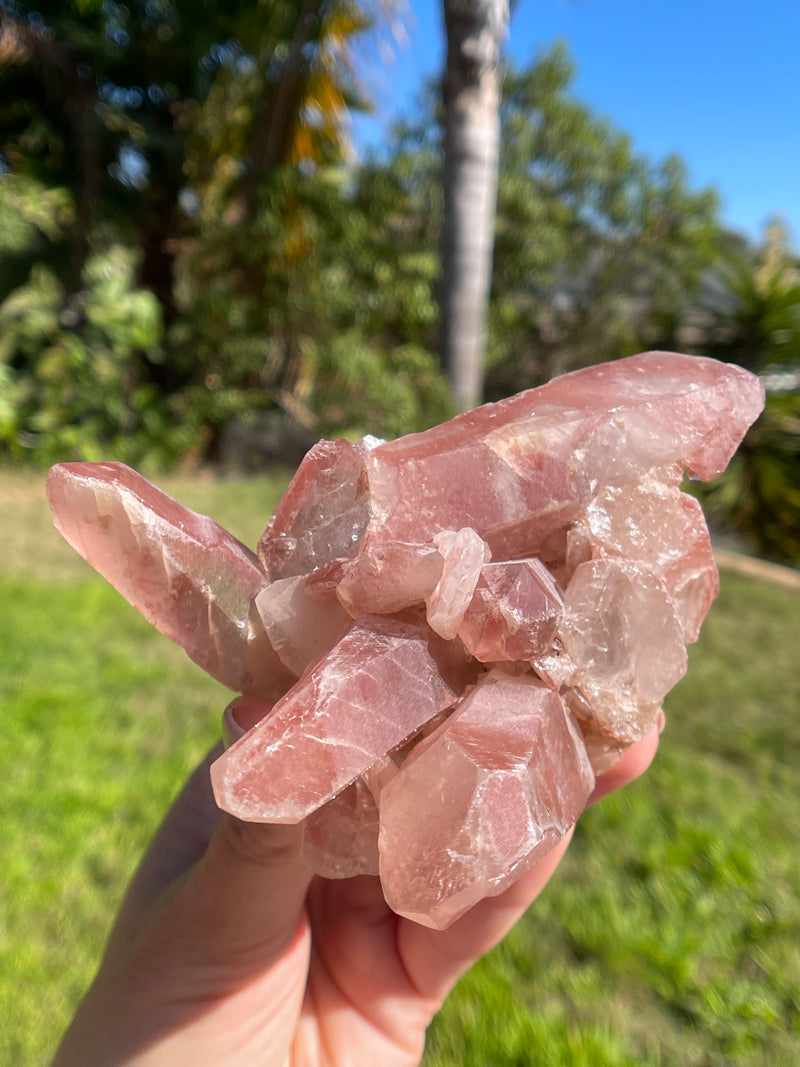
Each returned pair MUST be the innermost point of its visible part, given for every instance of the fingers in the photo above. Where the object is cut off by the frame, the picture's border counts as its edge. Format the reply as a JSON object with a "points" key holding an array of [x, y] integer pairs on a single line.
{"points": [[241, 715], [631, 764], [240, 906], [355, 941], [243, 899], [436, 959]]}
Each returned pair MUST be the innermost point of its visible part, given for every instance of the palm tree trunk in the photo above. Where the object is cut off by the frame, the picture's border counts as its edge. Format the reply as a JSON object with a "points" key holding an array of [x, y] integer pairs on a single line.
{"points": [[475, 33]]}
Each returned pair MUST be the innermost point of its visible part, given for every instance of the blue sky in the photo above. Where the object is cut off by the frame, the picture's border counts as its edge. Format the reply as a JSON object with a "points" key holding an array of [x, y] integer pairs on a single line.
{"points": [[717, 82]]}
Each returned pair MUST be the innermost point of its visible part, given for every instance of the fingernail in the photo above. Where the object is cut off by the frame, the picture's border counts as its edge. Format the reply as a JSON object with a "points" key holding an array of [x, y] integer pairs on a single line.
{"points": [[231, 730], [241, 715]]}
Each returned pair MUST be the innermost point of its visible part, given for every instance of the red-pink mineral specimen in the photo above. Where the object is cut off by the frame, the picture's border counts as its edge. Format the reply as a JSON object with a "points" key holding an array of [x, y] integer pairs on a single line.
{"points": [[376, 688], [455, 627], [479, 801], [185, 573]]}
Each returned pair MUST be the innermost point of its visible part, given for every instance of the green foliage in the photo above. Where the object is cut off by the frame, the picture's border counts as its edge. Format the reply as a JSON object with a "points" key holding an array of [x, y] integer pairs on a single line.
{"points": [[371, 390], [159, 124], [759, 494], [318, 308], [34, 220], [31, 210], [752, 309], [597, 250], [72, 384], [752, 300]]}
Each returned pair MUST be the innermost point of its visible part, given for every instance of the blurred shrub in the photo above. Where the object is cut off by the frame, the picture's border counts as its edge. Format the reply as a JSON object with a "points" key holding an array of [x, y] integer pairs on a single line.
{"points": [[759, 494], [752, 309], [72, 377], [371, 390]]}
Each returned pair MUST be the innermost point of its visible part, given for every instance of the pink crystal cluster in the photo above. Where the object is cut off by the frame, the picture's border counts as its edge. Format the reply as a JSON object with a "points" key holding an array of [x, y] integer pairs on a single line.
{"points": [[456, 629]]}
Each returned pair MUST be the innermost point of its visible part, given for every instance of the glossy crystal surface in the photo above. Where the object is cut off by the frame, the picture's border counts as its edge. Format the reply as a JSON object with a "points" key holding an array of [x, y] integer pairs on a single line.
{"points": [[457, 629], [492, 790], [187, 575]]}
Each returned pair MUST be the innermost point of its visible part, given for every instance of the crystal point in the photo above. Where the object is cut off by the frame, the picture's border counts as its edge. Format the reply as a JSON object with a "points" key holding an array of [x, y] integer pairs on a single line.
{"points": [[187, 575], [624, 641], [513, 613], [370, 693], [302, 623], [323, 514], [389, 577], [463, 553]]}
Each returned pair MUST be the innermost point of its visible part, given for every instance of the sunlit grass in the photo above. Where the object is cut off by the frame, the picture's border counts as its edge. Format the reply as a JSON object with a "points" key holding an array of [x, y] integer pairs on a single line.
{"points": [[669, 937]]}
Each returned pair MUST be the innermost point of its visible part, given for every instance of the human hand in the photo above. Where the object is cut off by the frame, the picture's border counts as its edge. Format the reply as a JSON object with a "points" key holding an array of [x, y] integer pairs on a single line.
{"points": [[227, 951]]}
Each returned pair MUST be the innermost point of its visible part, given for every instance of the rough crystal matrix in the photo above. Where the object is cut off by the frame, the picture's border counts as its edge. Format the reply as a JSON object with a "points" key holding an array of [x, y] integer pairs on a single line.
{"points": [[455, 630]]}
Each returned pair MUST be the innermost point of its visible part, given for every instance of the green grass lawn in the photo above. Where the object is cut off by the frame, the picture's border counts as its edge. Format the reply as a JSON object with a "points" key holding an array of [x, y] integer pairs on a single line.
{"points": [[670, 936]]}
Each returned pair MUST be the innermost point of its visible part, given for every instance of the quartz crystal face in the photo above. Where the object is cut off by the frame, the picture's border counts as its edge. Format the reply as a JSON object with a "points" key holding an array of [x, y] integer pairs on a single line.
{"points": [[463, 554], [513, 613], [187, 575], [389, 577], [454, 631], [378, 686], [493, 789], [340, 839], [624, 640], [322, 516]]}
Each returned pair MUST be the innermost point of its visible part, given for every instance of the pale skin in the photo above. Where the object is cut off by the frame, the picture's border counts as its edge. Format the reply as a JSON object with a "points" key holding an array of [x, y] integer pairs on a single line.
{"points": [[228, 953]]}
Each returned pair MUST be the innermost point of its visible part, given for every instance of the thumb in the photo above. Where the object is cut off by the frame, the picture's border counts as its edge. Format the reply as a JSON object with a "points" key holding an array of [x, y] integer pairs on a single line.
{"points": [[212, 890], [243, 901], [241, 905], [212, 942]]}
